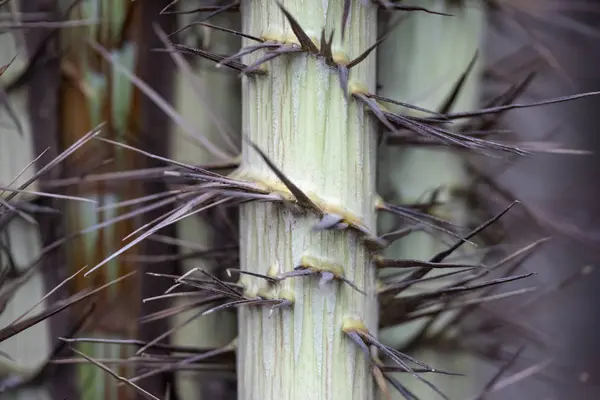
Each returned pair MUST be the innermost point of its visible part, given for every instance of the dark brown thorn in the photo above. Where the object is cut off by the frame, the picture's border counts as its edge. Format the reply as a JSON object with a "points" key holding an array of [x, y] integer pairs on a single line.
{"points": [[215, 10], [326, 48], [219, 28], [270, 55], [375, 243], [57, 160], [393, 284], [295, 273], [119, 378], [402, 212], [458, 86], [201, 288], [395, 368], [365, 53], [391, 237], [305, 41], [12, 330], [374, 107], [350, 283], [414, 210], [523, 253], [508, 107], [427, 131], [232, 31], [210, 56], [405, 356], [383, 263], [220, 283], [404, 392], [396, 358], [402, 104], [167, 313], [46, 370], [443, 254], [368, 51], [513, 92], [178, 214], [138, 343], [389, 5], [245, 51], [454, 137], [168, 6], [420, 298], [190, 360], [227, 305], [188, 280], [300, 196], [255, 274], [204, 286], [263, 302]]}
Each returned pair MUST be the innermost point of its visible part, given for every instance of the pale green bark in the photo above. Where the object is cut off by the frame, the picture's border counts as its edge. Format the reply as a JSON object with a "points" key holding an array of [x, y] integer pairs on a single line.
{"points": [[420, 63], [210, 101], [30, 348], [298, 116]]}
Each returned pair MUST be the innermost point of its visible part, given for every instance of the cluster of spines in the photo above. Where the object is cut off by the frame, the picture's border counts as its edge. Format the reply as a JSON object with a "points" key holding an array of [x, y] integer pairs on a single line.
{"points": [[236, 191], [240, 188]]}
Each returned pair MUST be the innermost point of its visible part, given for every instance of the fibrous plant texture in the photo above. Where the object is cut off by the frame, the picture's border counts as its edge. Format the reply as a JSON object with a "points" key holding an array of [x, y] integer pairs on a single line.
{"points": [[323, 141]]}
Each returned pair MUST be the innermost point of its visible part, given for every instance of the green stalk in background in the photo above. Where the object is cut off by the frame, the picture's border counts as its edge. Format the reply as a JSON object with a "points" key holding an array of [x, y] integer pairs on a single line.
{"points": [[296, 112], [24, 354], [420, 63], [210, 101]]}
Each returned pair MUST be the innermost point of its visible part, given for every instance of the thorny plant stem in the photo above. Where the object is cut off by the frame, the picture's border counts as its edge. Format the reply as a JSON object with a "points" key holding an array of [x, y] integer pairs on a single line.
{"points": [[420, 63], [298, 115]]}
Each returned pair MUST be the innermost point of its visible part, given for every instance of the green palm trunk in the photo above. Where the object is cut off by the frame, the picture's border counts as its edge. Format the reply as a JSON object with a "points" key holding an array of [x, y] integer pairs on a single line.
{"points": [[297, 114]]}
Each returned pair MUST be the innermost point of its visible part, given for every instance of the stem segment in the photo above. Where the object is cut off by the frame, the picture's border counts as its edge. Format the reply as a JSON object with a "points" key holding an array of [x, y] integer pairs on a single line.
{"points": [[325, 144]]}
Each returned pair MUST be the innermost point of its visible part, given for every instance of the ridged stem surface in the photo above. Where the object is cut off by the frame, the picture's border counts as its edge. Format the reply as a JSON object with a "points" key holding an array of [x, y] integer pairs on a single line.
{"points": [[298, 116]]}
